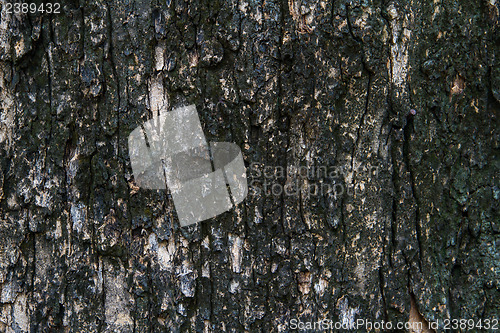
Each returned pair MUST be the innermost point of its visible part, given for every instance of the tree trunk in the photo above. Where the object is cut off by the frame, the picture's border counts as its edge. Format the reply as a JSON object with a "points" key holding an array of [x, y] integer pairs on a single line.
{"points": [[370, 134]]}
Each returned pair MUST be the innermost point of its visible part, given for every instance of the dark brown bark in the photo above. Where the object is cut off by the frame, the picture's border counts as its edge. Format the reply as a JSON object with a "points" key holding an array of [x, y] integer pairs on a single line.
{"points": [[312, 85]]}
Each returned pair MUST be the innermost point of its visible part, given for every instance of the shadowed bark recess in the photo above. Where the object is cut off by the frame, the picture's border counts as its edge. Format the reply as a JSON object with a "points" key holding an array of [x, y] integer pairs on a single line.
{"points": [[370, 134]]}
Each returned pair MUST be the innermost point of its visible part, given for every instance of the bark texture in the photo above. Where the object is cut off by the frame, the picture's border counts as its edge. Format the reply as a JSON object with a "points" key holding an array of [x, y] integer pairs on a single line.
{"points": [[297, 83]]}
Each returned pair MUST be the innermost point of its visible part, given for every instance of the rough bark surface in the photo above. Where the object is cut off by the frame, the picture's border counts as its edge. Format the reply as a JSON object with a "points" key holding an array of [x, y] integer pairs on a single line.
{"points": [[297, 83]]}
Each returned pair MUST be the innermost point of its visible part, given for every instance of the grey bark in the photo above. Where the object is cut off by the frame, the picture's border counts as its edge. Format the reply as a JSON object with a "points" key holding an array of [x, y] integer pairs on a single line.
{"points": [[295, 84]]}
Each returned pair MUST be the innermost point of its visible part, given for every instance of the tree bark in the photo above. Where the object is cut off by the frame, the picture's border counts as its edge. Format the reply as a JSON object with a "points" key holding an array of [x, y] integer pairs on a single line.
{"points": [[397, 100]]}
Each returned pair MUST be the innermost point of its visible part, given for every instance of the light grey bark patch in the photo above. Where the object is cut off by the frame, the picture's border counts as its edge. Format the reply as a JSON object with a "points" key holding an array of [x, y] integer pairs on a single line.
{"points": [[118, 301]]}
